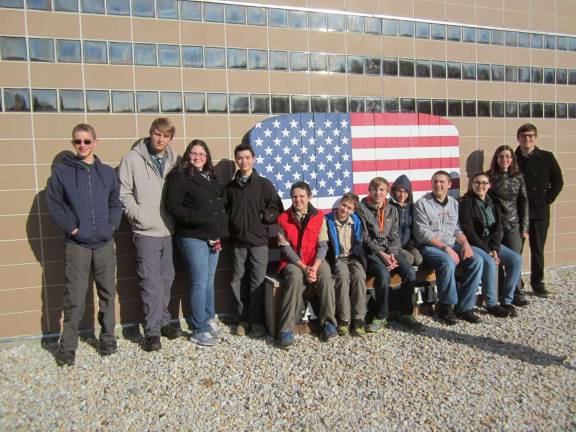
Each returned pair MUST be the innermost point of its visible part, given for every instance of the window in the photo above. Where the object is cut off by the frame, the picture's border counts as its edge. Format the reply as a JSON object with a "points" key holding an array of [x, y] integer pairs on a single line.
{"points": [[406, 67], [423, 68], [95, 52], [561, 110], [454, 33], [536, 40], [257, 59], [561, 76], [147, 102], [389, 27], [497, 72], [68, 51], [298, 61], [278, 60], [469, 108], [256, 16], [300, 104], [483, 36], [92, 6], [168, 55], [549, 110], [454, 70], [511, 39], [424, 106], [317, 21], [422, 30], [235, 14], [296, 19], [497, 109], [318, 62], [524, 109], [192, 56], [214, 58], [469, 71], [118, 7], [511, 73], [572, 110], [216, 103], [238, 103], [338, 63], [18, 4], [280, 104], [167, 9], [213, 12], [390, 66], [572, 44], [97, 101], [16, 100], [373, 66], [319, 103], [406, 28], [523, 74], [549, 75], [277, 18], [497, 37], [356, 104], [355, 24], [336, 22], [237, 58], [438, 69], [143, 8], [44, 100], [13, 48], [391, 105], [171, 102], [194, 102], [561, 43], [32, 4], [537, 75], [338, 104], [41, 50], [71, 100], [572, 76], [550, 42], [372, 25], [439, 107], [120, 53], [190, 10], [355, 65], [145, 54], [407, 105], [523, 40], [455, 108], [373, 105], [122, 101], [438, 31], [483, 71], [259, 104], [511, 109], [483, 109], [468, 34], [536, 109], [66, 5]]}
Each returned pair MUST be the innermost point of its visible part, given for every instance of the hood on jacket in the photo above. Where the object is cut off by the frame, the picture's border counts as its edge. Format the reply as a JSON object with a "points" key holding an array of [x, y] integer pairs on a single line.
{"points": [[141, 147], [404, 182], [72, 161]]}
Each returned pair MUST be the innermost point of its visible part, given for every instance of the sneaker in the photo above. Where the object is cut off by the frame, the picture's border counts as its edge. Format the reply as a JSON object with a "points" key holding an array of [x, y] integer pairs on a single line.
{"points": [[170, 332], [243, 328], [446, 314], [258, 330], [204, 339], [469, 316], [512, 312], [65, 358], [411, 322], [374, 326], [214, 331], [343, 329], [108, 347], [357, 328], [152, 343], [497, 311], [328, 332], [540, 291], [520, 300], [285, 340]]}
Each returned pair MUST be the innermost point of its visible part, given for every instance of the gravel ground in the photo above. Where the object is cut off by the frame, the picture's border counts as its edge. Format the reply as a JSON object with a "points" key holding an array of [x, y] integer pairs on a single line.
{"points": [[512, 374]]}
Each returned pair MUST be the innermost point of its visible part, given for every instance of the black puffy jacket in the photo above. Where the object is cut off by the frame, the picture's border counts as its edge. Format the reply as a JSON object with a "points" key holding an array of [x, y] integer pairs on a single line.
{"points": [[509, 193]]}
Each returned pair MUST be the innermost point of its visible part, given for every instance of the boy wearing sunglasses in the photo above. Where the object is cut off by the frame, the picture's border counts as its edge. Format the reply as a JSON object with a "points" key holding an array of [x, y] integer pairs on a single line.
{"points": [[82, 197]]}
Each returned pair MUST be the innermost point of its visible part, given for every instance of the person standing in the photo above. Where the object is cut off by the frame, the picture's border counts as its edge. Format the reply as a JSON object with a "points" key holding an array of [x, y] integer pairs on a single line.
{"points": [[544, 182], [253, 205], [142, 175]]}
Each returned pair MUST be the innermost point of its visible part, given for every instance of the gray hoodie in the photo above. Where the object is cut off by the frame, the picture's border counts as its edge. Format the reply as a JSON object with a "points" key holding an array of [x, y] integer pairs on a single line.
{"points": [[142, 189], [435, 220]]}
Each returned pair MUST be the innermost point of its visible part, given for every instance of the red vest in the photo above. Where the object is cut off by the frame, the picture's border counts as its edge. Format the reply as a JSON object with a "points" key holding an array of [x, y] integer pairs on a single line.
{"points": [[309, 241]]}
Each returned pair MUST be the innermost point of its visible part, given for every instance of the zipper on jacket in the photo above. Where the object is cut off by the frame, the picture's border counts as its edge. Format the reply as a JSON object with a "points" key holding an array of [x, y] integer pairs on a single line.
{"points": [[91, 204]]}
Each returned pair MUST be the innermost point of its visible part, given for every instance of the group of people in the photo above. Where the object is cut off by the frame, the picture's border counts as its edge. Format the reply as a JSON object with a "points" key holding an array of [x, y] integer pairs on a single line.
{"points": [[167, 198]]}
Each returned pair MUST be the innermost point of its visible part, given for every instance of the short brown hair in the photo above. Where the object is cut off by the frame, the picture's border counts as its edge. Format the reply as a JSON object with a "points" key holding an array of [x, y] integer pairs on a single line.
{"points": [[164, 125], [444, 173], [84, 127], [378, 181], [526, 127], [351, 197]]}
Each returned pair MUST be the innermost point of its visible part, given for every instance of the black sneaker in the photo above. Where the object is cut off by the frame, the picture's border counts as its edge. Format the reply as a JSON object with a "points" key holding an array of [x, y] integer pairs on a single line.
{"points": [[540, 291], [65, 358], [520, 300], [108, 347], [497, 311], [152, 343], [170, 332], [446, 314], [512, 312], [469, 316]]}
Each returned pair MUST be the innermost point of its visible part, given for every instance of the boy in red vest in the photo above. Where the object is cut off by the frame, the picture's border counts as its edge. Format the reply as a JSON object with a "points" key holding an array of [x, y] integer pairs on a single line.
{"points": [[303, 241]]}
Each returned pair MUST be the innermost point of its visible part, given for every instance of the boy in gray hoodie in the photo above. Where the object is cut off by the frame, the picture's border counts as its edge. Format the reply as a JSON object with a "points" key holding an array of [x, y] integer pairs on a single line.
{"points": [[142, 173]]}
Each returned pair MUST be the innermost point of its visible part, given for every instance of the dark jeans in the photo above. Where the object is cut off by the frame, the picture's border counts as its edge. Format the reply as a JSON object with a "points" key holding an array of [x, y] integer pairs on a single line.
{"points": [[513, 240], [377, 269], [79, 263], [250, 272], [538, 230]]}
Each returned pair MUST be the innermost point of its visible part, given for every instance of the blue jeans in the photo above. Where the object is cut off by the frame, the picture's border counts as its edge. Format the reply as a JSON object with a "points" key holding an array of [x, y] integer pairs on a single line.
{"points": [[463, 296], [512, 263], [201, 262]]}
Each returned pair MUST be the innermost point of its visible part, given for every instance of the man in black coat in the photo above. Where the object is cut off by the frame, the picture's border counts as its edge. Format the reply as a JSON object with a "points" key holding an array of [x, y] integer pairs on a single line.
{"points": [[544, 182]]}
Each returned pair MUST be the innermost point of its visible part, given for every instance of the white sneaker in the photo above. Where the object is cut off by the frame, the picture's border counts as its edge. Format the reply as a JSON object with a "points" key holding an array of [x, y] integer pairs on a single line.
{"points": [[204, 339], [214, 331]]}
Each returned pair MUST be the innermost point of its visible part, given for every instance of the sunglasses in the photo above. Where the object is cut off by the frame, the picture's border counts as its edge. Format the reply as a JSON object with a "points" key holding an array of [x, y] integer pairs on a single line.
{"points": [[79, 141]]}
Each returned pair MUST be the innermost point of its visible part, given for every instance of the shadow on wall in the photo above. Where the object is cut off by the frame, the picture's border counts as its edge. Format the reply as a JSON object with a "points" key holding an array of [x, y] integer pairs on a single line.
{"points": [[474, 165]]}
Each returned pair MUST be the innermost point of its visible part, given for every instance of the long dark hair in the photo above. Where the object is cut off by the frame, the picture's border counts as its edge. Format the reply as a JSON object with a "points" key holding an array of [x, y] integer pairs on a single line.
{"points": [[495, 168], [186, 164]]}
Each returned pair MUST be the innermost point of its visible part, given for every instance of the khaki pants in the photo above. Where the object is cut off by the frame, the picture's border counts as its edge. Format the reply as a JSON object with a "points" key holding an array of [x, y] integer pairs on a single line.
{"points": [[350, 285]]}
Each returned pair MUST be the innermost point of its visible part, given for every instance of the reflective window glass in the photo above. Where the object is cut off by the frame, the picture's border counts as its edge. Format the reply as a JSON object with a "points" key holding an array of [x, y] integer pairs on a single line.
{"points": [[561, 110], [145, 54], [66, 5], [561, 43], [68, 51], [168, 55], [536, 109], [550, 42], [524, 109], [438, 31], [278, 60], [93, 6], [256, 16], [278, 18], [454, 33], [32, 4], [71, 100], [549, 75], [16, 100], [469, 71], [317, 21], [469, 108], [373, 105], [235, 14], [438, 69], [194, 102], [572, 44], [407, 105], [257, 59], [338, 104], [406, 67], [120, 53], [523, 40], [296, 19], [511, 73], [424, 106], [337, 63], [391, 105], [483, 36], [372, 25], [454, 70], [497, 72], [192, 56], [549, 110], [455, 108], [167, 9], [216, 103], [280, 104], [423, 68], [122, 101], [143, 8], [373, 66], [97, 101], [511, 109], [422, 30], [237, 58], [572, 76], [389, 27], [298, 61], [355, 65], [336, 22], [390, 66], [300, 104], [537, 75], [95, 52], [318, 62], [190, 10], [483, 71], [497, 37], [356, 104], [355, 24], [171, 102], [319, 103], [439, 107], [561, 76], [406, 28], [511, 38], [214, 58], [147, 102], [536, 40], [468, 34], [483, 109], [44, 100], [259, 104], [213, 12], [572, 110], [118, 7], [13, 48], [18, 4], [41, 50]]}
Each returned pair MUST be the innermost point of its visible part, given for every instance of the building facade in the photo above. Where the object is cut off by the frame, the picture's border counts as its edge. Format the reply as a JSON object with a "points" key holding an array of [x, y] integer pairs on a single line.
{"points": [[218, 68]]}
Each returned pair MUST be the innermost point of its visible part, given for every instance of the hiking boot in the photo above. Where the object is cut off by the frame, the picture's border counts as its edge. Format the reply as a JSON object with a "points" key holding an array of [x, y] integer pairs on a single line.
{"points": [[214, 330], [375, 326], [469, 316], [540, 291], [446, 314], [258, 330], [343, 329], [497, 311], [170, 332], [328, 332], [243, 328], [357, 328], [285, 340], [204, 339], [512, 311], [411, 322], [65, 358], [108, 347], [152, 343]]}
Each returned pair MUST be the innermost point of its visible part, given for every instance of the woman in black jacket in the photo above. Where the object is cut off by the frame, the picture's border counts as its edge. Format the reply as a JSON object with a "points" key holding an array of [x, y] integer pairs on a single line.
{"points": [[194, 199], [508, 191], [480, 221]]}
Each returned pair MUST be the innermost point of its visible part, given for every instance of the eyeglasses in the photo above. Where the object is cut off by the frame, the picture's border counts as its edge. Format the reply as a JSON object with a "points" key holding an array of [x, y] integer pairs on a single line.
{"points": [[198, 155], [528, 135], [79, 141], [481, 183]]}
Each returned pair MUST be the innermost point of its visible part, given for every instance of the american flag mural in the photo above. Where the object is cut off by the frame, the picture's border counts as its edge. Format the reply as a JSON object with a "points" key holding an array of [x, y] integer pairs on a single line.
{"points": [[337, 153]]}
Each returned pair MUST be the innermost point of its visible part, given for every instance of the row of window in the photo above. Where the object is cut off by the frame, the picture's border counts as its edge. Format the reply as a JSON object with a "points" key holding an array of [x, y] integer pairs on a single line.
{"points": [[317, 21], [125, 53], [117, 101]]}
